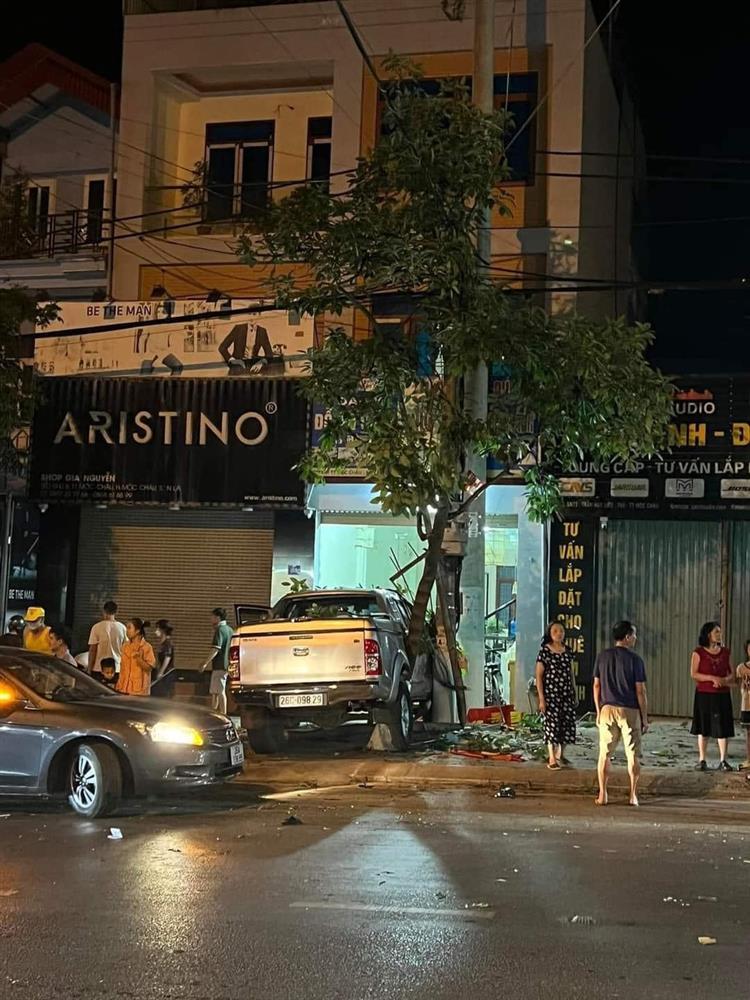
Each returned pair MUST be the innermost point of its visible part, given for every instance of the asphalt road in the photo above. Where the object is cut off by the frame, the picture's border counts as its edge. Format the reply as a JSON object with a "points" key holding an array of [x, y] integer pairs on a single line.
{"points": [[441, 895]]}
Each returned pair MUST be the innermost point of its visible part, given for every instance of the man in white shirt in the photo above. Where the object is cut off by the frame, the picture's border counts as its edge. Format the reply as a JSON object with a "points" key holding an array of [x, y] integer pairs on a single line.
{"points": [[106, 639]]}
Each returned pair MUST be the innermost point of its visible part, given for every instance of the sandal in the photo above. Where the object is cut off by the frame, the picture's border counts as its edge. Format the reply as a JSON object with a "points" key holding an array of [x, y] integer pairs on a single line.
{"points": [[554, 767]]}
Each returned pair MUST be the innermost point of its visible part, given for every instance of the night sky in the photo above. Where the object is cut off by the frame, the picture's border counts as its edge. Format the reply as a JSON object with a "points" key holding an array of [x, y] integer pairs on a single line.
{"points": [[688, 74]]}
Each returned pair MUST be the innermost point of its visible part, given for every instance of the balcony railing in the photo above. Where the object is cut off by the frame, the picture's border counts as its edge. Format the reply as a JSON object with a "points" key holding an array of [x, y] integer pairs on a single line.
{"points": [[183, 6], [60, 233], [215, 205]]}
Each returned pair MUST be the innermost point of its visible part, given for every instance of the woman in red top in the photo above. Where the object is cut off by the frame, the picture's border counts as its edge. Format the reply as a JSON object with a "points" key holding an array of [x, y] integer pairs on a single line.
{"points": [[712, 712]]}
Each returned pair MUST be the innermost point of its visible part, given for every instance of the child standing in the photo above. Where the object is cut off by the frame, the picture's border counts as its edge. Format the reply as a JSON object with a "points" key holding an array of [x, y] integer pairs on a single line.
{"points": [[743, 676], [108, 674]]}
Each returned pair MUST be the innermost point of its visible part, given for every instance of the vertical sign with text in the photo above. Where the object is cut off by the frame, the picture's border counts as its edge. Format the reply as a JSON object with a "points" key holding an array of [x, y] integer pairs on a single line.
{"points": [[571, 596]]}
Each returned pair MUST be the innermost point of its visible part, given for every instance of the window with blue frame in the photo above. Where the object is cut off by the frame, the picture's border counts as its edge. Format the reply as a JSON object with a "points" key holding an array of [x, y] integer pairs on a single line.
{"points": [[518, 92]]}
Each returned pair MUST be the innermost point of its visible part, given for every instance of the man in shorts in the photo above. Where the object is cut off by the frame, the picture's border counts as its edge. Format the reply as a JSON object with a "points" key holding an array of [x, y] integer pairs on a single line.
{"points": [[621, 706], [218, 660]]}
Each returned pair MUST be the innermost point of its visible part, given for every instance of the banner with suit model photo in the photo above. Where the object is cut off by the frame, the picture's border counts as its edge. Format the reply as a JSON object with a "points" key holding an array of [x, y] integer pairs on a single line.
{"points": [[174, 338], [161, 440]]}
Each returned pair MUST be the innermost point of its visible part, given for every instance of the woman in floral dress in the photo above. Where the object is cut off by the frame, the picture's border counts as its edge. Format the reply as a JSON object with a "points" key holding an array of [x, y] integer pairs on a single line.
{"points": [[557, 694]]}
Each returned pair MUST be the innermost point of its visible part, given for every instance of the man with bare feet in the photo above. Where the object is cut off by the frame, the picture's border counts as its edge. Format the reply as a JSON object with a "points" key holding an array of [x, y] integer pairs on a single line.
{"points": [[621, 706]]}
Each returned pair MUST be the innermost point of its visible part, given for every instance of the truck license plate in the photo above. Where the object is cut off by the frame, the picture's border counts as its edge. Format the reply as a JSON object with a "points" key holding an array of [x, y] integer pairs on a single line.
{"points": [[236, 754], [300, 700]]}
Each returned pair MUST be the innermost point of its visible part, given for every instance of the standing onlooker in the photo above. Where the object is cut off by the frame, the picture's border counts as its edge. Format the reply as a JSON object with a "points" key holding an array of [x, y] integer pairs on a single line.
{"points": [[36, 638], [712, 709], [621, 706], [163, 676], [14, 633], [106, 639], [218, 660], [137, 660], [557, 694], [743, 676], [60, 641]]}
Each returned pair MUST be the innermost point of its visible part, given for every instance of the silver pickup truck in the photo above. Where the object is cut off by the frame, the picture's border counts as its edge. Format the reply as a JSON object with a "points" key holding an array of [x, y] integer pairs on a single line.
{"points": [[322, 657]]}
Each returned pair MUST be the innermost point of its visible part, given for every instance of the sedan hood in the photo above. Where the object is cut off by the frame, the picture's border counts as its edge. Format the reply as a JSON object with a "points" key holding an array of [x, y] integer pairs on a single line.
{"points": [[151, 710]]}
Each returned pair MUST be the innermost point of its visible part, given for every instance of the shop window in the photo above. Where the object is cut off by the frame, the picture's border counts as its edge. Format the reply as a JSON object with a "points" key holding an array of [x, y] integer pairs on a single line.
{"points": [[319, 151], [239, 161], [361, 552]]}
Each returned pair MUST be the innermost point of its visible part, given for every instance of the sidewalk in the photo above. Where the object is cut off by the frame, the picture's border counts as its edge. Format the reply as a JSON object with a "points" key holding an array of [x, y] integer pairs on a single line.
{"points": [[669, 757]]}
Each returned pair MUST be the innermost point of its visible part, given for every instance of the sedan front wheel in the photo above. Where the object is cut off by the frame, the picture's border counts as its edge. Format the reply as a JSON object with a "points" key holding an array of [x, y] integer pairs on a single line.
{"points": [[94, 780]]}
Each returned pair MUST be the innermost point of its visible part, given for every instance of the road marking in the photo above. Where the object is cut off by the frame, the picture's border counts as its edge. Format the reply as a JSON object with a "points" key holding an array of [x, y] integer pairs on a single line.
{"points": [[430, 911]]}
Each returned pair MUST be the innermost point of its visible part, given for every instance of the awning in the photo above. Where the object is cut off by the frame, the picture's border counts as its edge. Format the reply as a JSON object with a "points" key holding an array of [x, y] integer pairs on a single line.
{"points": [[342, 498], [356, 498]]}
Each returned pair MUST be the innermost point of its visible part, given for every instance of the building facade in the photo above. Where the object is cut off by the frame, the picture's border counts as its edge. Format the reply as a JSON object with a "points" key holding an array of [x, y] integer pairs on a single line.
{"points": [[231, 106], [56, 178], [223, 108]]}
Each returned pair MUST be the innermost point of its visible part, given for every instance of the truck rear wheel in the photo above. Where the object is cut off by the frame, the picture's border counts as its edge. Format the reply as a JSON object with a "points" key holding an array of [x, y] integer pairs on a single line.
{"points": [[397, 717], [265, 732]]}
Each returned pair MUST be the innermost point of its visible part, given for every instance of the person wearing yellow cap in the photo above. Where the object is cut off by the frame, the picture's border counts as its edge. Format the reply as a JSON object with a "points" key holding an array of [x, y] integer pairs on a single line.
{"points": [[36, 635]]}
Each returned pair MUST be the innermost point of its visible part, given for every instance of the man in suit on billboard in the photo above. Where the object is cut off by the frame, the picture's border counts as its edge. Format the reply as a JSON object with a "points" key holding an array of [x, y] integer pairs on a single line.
{"points": [[234, 348]]}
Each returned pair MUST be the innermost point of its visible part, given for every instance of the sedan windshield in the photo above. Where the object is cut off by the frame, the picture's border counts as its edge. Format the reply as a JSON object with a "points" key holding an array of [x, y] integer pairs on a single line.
{"points": [[52, 679]]}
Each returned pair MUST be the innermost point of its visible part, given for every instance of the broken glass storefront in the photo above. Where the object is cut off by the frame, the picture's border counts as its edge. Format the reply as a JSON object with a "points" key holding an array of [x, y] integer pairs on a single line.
{"points": [[357, 545]]}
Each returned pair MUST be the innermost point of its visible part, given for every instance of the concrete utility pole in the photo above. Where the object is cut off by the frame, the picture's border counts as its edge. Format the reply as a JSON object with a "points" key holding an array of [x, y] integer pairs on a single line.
{"points": [[471, 633]]}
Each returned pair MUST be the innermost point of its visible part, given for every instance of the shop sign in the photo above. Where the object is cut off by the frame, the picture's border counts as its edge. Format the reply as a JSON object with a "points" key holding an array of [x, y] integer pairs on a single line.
{"points": [[346, 457], [572, 487], [178, 339], [571, 596], [134, 441], [628, 487], [685, 489], [704, 473]]}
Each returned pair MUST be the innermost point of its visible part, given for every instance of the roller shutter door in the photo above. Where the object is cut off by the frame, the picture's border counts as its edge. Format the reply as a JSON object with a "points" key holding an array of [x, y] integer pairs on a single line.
{"points": [[171, 564], [665, 576]]}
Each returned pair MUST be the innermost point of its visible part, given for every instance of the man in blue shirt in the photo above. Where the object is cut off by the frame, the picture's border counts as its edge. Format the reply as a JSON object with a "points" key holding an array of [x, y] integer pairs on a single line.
{"points": [[621, 706]]}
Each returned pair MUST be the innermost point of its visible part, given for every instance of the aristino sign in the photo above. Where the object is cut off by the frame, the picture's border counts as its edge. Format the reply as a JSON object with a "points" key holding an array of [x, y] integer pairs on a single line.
{"points": [[214, 441]]}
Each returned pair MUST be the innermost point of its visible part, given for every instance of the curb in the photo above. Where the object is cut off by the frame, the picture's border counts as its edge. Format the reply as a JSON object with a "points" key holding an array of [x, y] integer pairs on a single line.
{"points": [[444, 772]]}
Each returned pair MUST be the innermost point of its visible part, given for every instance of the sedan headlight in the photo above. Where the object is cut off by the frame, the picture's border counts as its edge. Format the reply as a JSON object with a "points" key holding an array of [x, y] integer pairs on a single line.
{"points": [[171, 732]]}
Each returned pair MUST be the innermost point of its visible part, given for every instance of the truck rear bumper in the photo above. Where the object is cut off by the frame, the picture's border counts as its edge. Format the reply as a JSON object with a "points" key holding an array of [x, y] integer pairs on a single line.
{"points": [[333, 694]]}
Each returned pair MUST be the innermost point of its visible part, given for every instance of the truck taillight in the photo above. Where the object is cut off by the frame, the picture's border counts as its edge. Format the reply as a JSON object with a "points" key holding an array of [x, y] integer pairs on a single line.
{"points": [[373, 663], [234, 661]]}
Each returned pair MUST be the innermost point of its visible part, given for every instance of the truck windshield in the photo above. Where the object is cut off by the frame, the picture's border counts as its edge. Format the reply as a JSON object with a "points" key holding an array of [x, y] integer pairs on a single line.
{"points": [[329, 607]]}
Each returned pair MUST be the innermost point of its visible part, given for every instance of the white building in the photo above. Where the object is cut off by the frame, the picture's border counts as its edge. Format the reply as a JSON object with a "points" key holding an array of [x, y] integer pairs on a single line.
{"points": [[55, 130]]}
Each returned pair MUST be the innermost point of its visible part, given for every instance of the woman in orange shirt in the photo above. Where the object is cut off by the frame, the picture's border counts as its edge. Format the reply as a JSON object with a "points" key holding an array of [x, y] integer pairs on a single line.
{"points": [[137, 660]]}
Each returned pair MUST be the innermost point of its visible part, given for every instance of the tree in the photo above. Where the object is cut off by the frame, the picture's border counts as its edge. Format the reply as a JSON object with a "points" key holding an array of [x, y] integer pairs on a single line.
{"points": [[17, 391], [19, 235], [406, 225]]}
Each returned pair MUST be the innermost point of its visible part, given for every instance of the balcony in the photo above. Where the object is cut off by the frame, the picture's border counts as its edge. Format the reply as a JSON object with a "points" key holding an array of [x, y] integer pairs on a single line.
{"points": [[50, 235], [219, 208], [186, 6]]}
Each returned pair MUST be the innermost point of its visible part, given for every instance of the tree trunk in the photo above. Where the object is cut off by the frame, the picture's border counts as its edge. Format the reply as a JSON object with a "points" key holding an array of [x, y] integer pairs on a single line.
{"points": [[427, 582]]}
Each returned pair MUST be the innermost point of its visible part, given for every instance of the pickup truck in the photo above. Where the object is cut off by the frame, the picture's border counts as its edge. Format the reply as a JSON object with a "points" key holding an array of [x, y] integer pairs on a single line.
{"points": [[323, 657]]}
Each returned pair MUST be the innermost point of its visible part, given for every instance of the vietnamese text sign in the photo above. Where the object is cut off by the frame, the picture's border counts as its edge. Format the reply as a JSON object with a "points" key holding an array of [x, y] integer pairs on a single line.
{"points": [[571, 595]]}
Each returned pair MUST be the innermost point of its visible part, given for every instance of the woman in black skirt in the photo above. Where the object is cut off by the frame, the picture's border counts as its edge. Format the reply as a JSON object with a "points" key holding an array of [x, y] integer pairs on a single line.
{"points": [[712, 712], [557, 694]]}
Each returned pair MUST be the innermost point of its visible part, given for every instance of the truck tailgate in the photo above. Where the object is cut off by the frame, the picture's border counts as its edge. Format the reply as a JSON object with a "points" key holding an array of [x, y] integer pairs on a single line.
{"points": [[309, 652]]}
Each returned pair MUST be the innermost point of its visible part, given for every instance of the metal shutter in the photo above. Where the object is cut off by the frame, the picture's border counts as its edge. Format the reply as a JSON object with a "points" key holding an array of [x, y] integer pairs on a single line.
{"points": [[665, 576], [171, 564]]}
